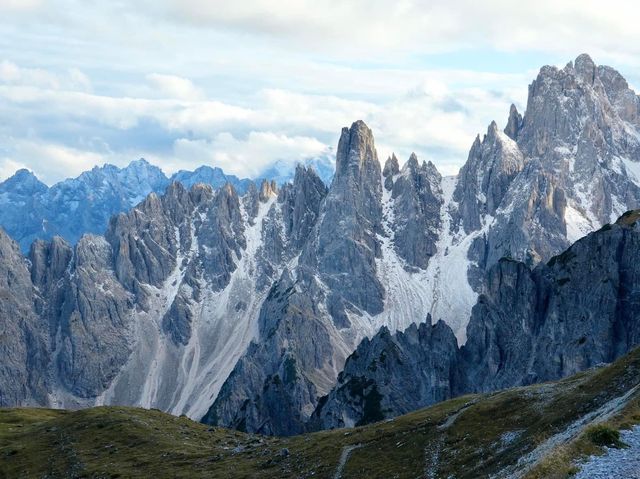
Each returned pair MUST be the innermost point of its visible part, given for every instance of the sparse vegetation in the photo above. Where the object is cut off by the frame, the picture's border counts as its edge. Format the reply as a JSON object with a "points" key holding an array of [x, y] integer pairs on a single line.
{"points": [[469, 437], [603, 435]]}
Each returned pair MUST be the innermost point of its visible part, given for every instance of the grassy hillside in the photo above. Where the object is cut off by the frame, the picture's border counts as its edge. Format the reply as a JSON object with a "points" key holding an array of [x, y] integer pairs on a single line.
{"points": [[533, 432]]}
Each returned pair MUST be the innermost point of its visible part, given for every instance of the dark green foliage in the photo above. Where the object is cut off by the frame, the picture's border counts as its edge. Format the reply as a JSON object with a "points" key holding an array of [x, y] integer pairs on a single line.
{"points": [[603, 435]]}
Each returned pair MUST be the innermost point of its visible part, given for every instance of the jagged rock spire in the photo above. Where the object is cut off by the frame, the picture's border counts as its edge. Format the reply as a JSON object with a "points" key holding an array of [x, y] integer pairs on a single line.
{"points": [[391, 166], [514, 123], [356, 150], [585, 68], [267, 190]]}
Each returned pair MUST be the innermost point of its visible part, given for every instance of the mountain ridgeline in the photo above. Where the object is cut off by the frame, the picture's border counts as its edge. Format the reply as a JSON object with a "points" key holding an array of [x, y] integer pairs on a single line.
{"points": [[301, 307], [31, 210]]}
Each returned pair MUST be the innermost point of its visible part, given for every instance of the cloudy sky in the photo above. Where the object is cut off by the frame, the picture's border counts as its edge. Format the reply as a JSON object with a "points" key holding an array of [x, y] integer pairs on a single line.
{"points": [[242, 84]]}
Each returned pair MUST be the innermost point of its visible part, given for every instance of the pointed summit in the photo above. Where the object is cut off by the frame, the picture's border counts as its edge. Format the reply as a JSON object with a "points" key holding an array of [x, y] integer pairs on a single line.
{"points": [[514, 123], [267, 190], [23, 182], [492, 131], [585, 68], [356, 150], [391, 166], [413, 162]]}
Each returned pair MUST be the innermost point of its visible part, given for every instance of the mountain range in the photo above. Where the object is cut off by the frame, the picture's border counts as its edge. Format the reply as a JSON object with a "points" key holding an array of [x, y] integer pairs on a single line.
{"points": [[286, 308], [31, 210]]}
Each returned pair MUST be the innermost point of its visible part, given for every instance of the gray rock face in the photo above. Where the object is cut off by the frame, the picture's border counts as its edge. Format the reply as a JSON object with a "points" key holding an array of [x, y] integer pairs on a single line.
{"points": [[577, 311], [417, 201], [270, 390], [24, 351], [306, 308], [534, 229], [402, 372], [346, 245], [580, 121], [564, 169], [485, 178], [301, 201], [95, 316], [514, 124], [162, 307]]}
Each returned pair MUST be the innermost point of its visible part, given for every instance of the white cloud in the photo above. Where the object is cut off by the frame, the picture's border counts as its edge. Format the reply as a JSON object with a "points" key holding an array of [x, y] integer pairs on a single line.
{"points": [[50, 162], [245, 157], [109, 80], [429, 118], [72, 79], [20, 5], [176, 87], [8, 167], [421, 26]]}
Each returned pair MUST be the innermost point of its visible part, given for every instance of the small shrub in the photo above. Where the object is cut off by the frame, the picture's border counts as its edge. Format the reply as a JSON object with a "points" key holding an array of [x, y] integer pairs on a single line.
{"points": [[572, 471], [603, 435]]}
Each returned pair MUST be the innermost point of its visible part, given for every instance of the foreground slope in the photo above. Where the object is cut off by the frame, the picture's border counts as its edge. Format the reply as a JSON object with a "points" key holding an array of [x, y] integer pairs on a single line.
{"points": [[537, 431]]}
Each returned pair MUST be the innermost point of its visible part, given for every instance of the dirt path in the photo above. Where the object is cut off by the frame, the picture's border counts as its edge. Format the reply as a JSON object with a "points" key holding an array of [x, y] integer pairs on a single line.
{"points": [[344, 457]]}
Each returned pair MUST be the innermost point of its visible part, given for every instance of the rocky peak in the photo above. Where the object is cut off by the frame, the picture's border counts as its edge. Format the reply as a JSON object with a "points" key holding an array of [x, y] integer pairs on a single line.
{"points": [[417, 199], [391, 166], [585, 69], [201, 193], [413, 162], [514, 123], [301, 202], [23, 349], [268, 189], [392, 373], [350, 222], [486, 176], [356, 155], [23, 183], [251, 202], [622, 98], [177, 202], [49, 260]]}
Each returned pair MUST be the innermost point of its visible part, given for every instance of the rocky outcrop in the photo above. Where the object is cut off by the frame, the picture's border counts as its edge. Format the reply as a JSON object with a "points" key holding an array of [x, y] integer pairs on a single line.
{"points": [[346, 244], [514, 123], [562, 170], [401, 373], [24, 347], [307, 307], [301, 202], [416, 195], [529, 325], [486, 178]]}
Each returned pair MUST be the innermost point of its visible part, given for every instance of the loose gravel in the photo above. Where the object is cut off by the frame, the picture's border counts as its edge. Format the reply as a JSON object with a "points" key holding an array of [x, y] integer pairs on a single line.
{"points": [[615, 463]]}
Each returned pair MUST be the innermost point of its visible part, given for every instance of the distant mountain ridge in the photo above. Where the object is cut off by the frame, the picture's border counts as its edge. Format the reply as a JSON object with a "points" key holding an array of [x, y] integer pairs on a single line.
{"points": [[31, 210]]}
